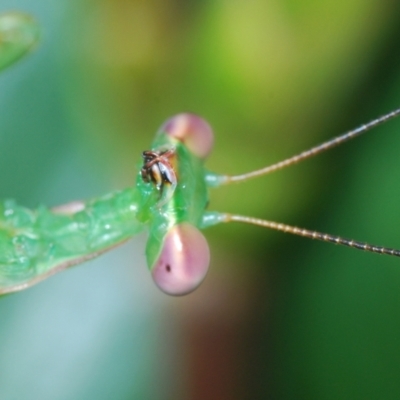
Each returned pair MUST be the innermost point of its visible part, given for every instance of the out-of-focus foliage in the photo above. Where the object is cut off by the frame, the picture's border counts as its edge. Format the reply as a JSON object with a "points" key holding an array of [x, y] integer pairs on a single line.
{"points": [[278, 317], [19, 33]]}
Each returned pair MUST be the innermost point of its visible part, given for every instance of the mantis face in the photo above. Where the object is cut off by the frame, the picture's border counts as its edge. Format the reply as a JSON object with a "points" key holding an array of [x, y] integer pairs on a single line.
{"points": [[174, 197]]}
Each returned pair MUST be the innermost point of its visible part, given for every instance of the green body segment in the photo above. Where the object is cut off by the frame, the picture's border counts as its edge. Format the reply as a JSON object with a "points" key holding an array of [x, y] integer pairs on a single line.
{"points": [[186, 204], [36, 244], [19, 33]]}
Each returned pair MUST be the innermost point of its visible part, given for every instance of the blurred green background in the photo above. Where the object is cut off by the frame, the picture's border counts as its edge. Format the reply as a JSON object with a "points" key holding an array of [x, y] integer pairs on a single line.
{"points": [[278, 317]]}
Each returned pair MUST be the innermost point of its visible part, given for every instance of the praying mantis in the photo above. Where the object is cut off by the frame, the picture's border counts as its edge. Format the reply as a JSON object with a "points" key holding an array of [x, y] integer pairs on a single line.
{"points": [[169, 200]]}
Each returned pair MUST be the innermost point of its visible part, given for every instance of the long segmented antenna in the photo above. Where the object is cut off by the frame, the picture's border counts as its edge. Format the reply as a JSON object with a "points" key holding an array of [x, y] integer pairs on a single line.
{"points": [[226, 179], [312, 234]]}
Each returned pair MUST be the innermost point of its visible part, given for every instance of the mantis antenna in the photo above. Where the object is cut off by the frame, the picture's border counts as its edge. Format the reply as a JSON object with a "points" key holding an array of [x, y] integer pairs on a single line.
{"points": [[325, 237], [226, 179]]}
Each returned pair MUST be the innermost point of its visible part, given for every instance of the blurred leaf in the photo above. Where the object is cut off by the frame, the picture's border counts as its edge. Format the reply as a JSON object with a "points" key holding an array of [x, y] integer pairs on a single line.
{"points": [[19, 33]]}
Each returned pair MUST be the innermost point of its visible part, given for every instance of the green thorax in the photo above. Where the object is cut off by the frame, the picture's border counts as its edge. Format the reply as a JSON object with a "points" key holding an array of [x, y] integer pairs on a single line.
{"points": [[37, 243]]}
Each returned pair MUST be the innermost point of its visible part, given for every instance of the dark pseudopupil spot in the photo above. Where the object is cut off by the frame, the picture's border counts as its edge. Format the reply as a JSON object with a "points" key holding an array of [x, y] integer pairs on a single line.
{"points": [[168, 268]]}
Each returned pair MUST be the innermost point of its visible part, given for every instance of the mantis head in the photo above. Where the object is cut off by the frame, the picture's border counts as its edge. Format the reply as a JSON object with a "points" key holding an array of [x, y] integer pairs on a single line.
{"points": [[177, 252]]}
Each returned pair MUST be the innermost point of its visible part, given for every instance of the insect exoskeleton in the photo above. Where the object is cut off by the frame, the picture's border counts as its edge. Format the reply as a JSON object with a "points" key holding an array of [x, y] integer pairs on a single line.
{"points": [[183, 262]]}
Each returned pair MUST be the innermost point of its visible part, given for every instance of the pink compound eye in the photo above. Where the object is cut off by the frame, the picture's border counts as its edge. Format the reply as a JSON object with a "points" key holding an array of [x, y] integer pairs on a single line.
{"points": [[183, 262], [193, 131]]}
